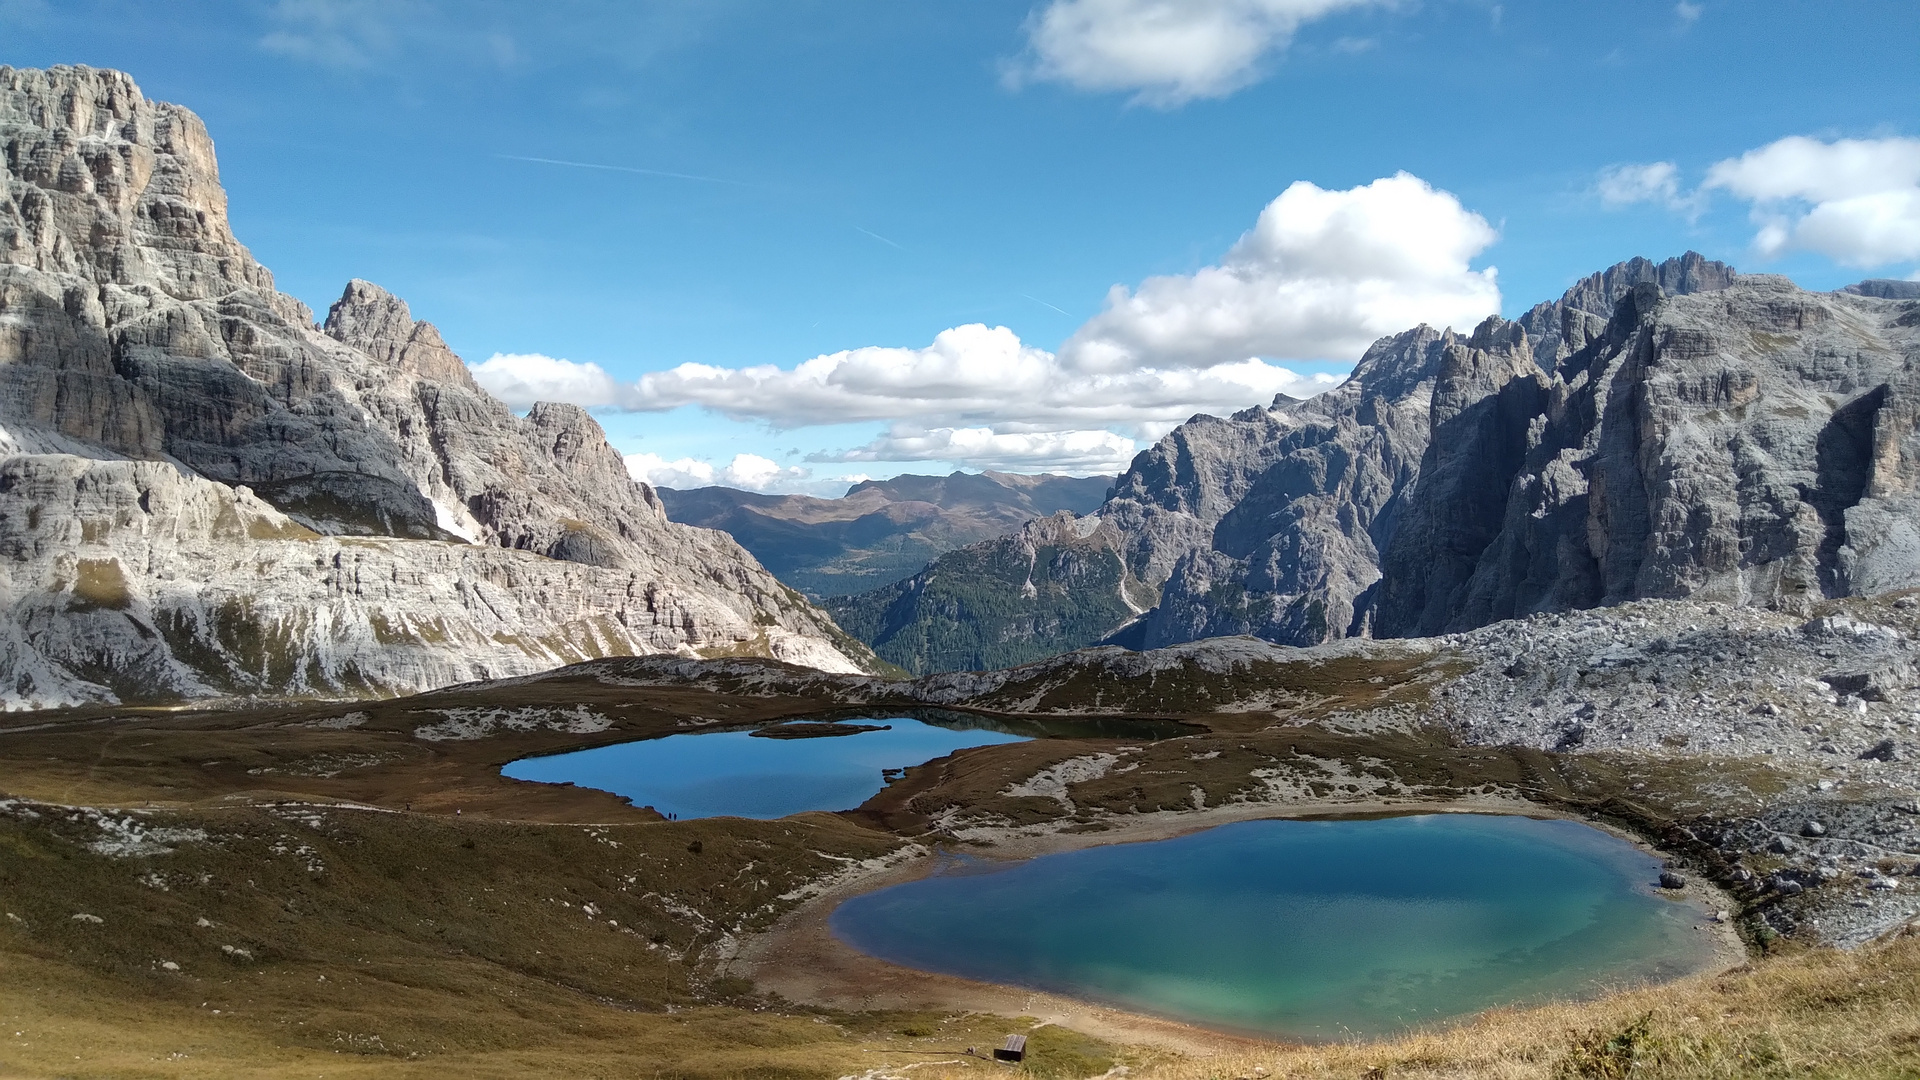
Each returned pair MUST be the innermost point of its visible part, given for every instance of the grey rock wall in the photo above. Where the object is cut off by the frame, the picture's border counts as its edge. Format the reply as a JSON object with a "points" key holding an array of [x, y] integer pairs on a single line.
{"points": [[1669, 430], [134, 328], [1290, 558]]}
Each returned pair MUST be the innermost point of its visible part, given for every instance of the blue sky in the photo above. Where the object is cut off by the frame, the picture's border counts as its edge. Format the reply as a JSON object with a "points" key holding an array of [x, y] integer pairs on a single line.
{"points": [[755, 184]]}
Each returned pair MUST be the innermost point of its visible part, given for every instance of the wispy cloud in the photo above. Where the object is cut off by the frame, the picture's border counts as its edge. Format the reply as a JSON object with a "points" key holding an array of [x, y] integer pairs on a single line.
{"points": [[1655, 182], [877, 236], [339, 33], [411, 38], [630, 169], [1044, 304], [23, 12]]}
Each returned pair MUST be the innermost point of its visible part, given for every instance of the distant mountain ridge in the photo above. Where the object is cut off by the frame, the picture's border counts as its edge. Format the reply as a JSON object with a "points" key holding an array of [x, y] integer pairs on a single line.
{"points": [[1671, 430], [881, 531], [1002, 602]]}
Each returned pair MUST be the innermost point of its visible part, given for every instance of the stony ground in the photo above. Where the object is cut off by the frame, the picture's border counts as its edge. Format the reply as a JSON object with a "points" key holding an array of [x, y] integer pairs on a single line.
{"points": [[1828, 704]]}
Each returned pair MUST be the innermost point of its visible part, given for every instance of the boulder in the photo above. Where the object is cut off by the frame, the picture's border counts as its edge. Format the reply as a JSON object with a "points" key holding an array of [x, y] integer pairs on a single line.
{"points": [[1884, 750]]}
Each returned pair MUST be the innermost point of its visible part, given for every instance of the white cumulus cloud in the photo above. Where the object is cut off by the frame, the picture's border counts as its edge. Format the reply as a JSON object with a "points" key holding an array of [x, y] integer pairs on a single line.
{"points": [[1322, 274], [1091, 451], [521, 379], [1168, 51], [749, 471], [969, 376], [1856, 201]]}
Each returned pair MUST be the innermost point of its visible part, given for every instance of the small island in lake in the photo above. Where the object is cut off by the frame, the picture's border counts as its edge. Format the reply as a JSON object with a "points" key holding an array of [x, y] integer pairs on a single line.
{"points": [[811, 729]]}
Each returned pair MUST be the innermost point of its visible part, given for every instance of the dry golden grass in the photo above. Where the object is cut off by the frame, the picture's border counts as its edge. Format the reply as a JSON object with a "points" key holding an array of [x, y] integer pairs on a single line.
{"points": [[1820, 1013], [1846, 1016], [59, 1021]]}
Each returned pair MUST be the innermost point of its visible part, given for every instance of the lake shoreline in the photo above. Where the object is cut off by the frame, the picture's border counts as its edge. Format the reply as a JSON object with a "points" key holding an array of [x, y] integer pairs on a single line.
{"points": [[765, 772], [803, 961]]}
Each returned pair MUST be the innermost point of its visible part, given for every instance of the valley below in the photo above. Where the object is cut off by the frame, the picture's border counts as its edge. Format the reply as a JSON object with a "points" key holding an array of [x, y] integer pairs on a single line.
{"points": [[356, 885]]}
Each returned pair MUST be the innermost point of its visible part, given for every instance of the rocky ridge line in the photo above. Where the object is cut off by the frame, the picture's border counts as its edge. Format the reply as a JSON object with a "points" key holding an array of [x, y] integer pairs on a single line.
{"points": [[206, 493], [1671, 430]]}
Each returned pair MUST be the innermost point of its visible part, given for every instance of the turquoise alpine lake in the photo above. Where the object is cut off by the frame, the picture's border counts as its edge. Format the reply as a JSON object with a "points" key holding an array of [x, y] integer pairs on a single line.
{"points": [[737, 774], [1295, 929]]}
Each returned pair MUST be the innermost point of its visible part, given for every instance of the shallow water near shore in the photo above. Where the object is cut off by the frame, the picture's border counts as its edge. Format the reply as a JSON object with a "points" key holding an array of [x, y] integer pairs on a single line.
{"points": [[1306, 930]]}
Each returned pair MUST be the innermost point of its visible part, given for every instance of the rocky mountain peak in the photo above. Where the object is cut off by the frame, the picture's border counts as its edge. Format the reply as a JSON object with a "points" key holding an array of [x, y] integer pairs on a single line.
{"points": [[1562, 327], [282, 508], [112, 188], [377, 323], [579, 448], [1574, 458], [1669, 430], [1495, 334], [1886, 288], [1395, 366], [1682, 275]]}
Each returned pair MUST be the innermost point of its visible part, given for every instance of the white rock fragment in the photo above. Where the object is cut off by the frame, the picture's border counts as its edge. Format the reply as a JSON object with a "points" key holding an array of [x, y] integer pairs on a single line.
{"points": [[466, 724]]}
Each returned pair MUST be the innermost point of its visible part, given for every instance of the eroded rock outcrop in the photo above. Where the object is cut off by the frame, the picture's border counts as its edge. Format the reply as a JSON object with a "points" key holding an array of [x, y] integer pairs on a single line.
{"points": [[1747, 445], [1719, 437], [397, 528], [1670, 430]]}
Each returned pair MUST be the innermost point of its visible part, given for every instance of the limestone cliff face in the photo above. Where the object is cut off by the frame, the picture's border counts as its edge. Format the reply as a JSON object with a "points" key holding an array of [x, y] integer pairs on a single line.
{"points": [[1318, 488], [1749, 445], [1661, 431], [148, 364]]}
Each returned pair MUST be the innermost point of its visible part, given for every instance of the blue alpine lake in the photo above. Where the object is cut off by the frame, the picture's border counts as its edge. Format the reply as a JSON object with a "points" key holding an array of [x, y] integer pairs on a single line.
{"points": [[736, 774], [1301, 929], [739, 774]]}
